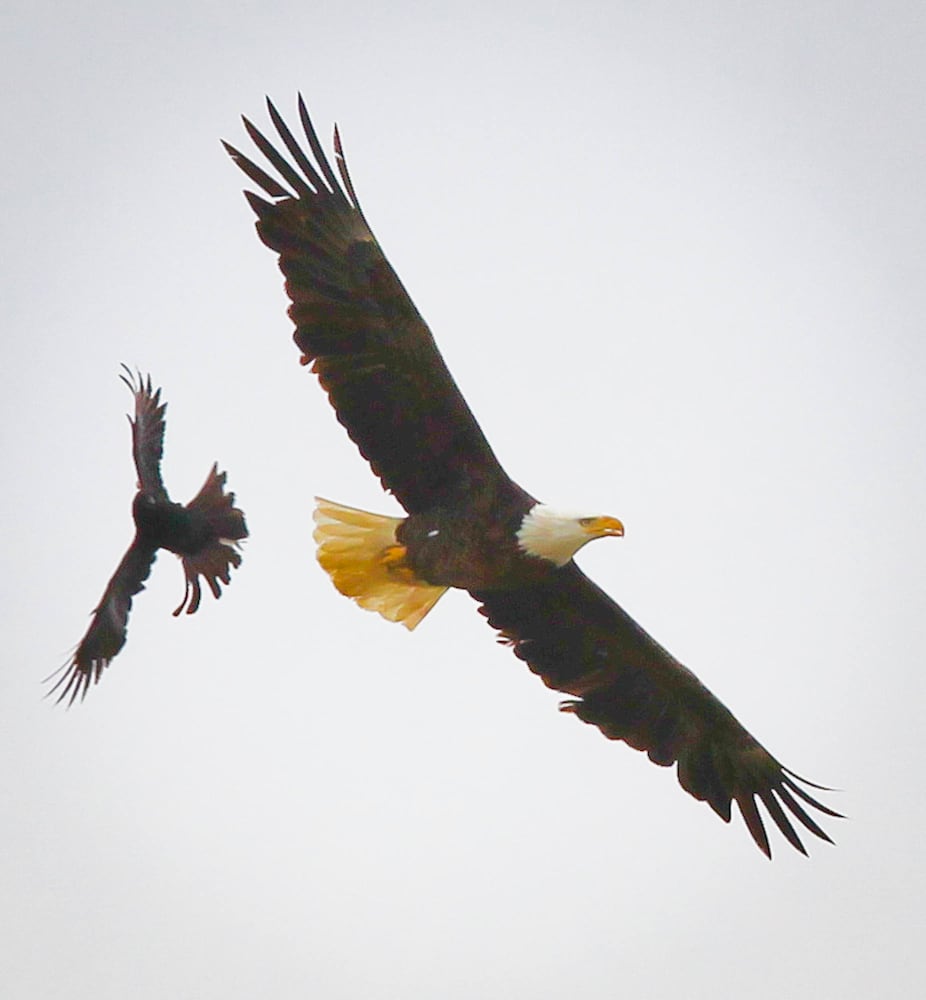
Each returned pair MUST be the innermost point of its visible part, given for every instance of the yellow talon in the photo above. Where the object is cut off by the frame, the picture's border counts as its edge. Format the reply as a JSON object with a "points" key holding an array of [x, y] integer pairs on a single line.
{"points": [[393, 558]]}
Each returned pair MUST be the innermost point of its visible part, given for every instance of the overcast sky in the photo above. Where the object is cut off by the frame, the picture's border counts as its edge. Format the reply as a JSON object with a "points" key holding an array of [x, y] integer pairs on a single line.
{"points": [[674, 255]]}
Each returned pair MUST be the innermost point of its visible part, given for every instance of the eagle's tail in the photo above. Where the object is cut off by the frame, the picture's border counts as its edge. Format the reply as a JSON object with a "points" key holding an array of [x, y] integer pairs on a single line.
{"points": [[225, 526], [358, 551]]}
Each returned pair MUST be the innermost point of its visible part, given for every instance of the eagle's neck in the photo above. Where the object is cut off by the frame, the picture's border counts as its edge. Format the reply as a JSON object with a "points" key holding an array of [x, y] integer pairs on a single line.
{"points": [[552, 534]]}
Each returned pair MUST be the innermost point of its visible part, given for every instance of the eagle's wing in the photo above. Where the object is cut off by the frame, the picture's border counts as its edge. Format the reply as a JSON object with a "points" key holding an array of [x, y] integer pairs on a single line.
{"points": [[356, 324], [106, 635], [147, 433], [581, 642]]}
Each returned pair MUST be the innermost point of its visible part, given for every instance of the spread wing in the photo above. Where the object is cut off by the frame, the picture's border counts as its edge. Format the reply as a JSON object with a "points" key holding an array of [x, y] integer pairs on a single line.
{"points": [[147, 433], [579, 641], [106, 635], [356, 325]]}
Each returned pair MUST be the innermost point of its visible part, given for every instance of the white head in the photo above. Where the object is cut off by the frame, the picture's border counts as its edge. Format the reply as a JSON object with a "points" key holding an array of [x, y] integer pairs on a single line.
{"points": [[557, 535]]}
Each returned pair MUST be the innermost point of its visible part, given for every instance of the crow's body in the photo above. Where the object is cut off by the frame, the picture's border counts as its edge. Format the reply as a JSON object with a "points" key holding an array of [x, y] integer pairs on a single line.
{"points": [[204, 534]]}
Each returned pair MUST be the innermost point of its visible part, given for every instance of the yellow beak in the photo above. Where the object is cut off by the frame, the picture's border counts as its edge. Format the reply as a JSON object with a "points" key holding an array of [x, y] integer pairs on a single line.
{"points": [[599, 527]]}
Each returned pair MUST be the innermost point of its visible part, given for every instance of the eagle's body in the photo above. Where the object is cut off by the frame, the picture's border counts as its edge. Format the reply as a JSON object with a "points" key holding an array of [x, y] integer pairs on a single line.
{"points": [[204, 534], [476, 546], [468, 524]]}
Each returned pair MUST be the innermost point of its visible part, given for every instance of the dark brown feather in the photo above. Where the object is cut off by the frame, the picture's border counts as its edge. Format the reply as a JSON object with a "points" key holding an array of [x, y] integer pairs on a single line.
{"points": [[390, 388], [147, 433], [582, 643], [355, 323], [107, 632], [223, 525], [204, 534]]}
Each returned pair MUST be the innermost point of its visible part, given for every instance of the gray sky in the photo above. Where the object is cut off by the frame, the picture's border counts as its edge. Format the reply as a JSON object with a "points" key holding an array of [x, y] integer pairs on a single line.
{"points": [[674, 255]]}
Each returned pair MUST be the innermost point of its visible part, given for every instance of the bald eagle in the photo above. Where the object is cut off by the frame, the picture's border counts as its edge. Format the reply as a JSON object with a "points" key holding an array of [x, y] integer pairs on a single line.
{"points": [[468, 524], [204, 534]]}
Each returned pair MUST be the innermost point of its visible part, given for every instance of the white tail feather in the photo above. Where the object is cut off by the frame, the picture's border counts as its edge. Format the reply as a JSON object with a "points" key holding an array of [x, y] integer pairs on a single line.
{"points": [[351, 546]]}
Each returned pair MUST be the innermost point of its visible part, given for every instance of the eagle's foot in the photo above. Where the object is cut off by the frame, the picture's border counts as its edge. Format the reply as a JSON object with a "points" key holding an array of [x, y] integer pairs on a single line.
{"points": [[393, 559]]}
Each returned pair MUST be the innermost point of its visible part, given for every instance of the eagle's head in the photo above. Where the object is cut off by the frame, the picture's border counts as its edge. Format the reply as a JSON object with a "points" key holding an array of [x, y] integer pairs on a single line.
{"points": [[556, 535]]}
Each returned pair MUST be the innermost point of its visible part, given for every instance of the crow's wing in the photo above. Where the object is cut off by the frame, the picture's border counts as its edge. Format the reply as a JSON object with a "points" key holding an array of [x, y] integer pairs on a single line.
{"points": [[107, 632], [147, 433]]}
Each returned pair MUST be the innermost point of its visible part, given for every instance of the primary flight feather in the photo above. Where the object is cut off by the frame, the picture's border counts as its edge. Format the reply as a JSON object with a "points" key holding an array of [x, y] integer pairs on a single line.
{"points": [[469, 525], [204, 534]]}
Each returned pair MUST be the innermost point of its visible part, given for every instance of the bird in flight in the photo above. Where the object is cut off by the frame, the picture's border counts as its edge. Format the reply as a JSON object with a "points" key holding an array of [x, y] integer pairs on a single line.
{"points": [[468, 525], [204, 534]]}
